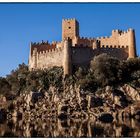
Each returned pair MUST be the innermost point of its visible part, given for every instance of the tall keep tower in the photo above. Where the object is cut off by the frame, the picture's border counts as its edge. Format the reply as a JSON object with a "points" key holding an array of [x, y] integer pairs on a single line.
{"points": [[67, 64], [70, 28], [132, 43]]}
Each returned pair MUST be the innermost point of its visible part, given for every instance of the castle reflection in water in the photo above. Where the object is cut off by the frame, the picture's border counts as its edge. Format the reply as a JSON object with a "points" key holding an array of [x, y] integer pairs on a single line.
{"points": [[69, 128]]}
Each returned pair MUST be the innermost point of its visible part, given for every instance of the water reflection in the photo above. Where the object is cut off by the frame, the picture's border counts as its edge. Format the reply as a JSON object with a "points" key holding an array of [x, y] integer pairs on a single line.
{"points": [[69, 128]]}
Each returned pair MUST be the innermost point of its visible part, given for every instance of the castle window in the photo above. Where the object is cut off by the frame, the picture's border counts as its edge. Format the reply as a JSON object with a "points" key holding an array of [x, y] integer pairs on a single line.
{"points": [[69, 27], [127, 46], [122, 46], [111, 46], [103, 46]]}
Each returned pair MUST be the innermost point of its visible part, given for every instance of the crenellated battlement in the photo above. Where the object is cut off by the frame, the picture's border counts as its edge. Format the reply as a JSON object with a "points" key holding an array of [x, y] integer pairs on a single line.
{"points": [[50, 51], [103, 37], [55, 42], [84, 42], [40, 43], [42, 46], [86, 38], [69, 19], [122, 32], [113, 46]]}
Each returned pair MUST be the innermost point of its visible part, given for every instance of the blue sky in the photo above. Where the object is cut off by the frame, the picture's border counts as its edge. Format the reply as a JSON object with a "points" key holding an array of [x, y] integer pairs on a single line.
{"points": [[22, 23]]}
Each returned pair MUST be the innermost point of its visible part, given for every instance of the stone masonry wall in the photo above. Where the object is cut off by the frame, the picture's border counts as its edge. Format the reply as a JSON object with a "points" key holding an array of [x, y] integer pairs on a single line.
{"points": [[119, 53], [47, 59], [81, 56], [118, 39], [70, 28], [50, 58]]}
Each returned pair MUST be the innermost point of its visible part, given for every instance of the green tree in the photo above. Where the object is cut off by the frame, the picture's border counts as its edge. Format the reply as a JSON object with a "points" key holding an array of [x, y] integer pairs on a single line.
{"points": [[106, 69], [5, 87], [17, 78]]}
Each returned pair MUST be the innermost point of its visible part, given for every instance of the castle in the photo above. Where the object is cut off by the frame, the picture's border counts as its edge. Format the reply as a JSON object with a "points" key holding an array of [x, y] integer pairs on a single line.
{"points": [[75, 51]]}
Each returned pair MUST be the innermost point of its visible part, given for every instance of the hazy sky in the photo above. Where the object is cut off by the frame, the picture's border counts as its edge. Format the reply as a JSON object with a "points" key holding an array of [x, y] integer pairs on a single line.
{"points": [[22, 23]]}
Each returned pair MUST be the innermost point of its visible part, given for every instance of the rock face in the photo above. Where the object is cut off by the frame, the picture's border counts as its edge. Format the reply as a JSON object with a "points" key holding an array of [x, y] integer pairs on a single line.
{"points": [[131, 92], [74, 103], [3, 101]]}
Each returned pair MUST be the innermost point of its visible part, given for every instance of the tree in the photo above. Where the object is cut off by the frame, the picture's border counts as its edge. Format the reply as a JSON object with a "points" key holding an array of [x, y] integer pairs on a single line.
{"points": [[17, 78], [85, 79], [4, 86], [106, 69]]}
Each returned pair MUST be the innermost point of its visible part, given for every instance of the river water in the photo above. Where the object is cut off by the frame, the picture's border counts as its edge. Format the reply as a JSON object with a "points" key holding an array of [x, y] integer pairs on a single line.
{"points": [[69, 128]]}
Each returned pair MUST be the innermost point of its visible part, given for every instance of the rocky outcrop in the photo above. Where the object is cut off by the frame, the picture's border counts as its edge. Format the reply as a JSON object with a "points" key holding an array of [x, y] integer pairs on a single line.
{"points": [[131, 92], [75, 103], [3, 102]]}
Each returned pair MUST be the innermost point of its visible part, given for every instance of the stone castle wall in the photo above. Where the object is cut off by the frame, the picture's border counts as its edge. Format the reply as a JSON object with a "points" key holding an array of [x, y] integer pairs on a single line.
{"points": [[47, 58], [50, 58], [81, 56], [83, 41], [118, 39], [119, 53]]}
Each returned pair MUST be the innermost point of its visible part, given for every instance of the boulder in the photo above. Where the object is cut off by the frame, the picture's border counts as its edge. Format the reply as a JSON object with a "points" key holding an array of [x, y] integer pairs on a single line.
{"points": [[121, 98]]}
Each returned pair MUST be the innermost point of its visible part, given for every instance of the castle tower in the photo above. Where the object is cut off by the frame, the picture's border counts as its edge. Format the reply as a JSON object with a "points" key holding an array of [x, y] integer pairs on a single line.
{"points": [[29, 60], [70, 28], [34, 62], [132, 43], [32, 58], [95, 44], [67, 57]]}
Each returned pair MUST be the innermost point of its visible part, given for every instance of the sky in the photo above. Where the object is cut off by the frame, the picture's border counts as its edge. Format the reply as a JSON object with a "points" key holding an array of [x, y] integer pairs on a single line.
{"points": [[23, 23]]}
